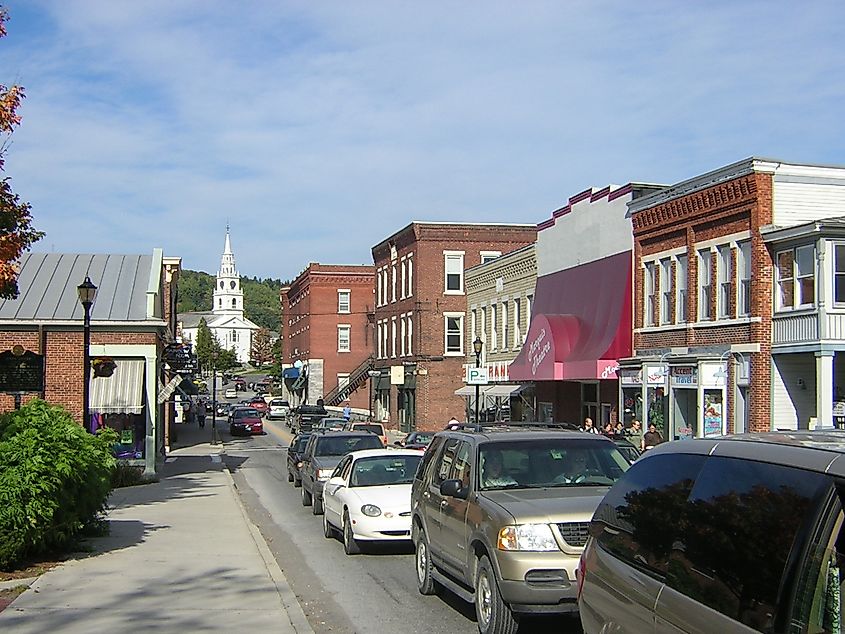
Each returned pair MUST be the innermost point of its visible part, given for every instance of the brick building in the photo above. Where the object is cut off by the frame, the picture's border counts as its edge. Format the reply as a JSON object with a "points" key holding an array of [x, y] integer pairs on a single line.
{"points": [[420, 314], [327, 334], [704, 291], [133, 317]]}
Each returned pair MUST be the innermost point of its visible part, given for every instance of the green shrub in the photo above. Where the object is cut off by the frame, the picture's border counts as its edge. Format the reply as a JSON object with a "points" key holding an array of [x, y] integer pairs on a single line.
{"points": [[55, 479]]}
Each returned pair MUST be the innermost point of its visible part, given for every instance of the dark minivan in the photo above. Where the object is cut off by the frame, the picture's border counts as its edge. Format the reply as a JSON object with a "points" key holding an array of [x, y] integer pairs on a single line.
{"points": [[295, 451], [732, 534]]}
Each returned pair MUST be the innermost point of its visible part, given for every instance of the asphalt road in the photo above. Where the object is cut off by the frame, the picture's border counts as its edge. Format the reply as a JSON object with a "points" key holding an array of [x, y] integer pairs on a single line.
{"points": [[371, 592]]}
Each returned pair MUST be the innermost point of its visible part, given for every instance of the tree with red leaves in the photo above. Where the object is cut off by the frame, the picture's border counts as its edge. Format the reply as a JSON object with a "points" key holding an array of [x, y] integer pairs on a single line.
{"points": [[16, 232]]}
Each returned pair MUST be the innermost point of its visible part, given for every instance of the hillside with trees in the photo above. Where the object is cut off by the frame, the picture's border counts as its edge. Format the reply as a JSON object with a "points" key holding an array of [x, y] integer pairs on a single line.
{"points": [[261, 297]]}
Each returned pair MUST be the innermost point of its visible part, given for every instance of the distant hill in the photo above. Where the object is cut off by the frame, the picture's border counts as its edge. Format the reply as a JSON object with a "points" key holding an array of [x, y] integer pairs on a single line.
{"points": [[261, 297]]}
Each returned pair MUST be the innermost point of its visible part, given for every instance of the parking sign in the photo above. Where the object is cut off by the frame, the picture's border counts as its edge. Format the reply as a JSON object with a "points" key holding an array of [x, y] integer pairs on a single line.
{"points": [[477, 376]]}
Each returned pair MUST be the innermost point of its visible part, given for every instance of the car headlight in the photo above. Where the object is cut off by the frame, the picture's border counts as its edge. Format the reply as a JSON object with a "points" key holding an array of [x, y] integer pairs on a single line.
{"points": [[536, 537], [371, 510], [324, 474]]}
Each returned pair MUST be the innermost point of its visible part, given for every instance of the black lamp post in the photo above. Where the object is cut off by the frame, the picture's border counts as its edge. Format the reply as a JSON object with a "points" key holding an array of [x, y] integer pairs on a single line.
{"points": [[87, 293], [214, 439], [477, 345]]}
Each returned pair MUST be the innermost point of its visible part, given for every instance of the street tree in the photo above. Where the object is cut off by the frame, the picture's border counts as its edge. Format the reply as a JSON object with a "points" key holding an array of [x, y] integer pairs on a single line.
{"points": [[16, 231], [261, 351], [206, 345], [226, 359]]}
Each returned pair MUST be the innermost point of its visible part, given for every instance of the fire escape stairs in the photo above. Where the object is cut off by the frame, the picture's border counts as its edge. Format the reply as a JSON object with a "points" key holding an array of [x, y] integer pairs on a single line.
{"points": [[357, 378]]}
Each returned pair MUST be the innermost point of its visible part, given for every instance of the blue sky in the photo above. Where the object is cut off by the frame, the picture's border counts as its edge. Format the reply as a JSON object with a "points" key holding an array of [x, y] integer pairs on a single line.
{"points": [[317, 129]]}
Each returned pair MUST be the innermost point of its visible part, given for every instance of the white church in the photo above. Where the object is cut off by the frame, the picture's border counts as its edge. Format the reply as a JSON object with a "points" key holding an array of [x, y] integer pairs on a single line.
{"points": [[226, 318]]}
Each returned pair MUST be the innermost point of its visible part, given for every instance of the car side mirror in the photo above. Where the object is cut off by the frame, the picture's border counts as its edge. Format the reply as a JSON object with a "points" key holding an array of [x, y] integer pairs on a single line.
{"points": [[337, 481], [454, 489], [398, 443]]}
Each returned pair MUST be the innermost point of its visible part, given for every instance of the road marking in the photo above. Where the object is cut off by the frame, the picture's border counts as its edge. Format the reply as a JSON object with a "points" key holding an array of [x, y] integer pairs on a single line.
{"points": [[215, 457], [169, 460]]}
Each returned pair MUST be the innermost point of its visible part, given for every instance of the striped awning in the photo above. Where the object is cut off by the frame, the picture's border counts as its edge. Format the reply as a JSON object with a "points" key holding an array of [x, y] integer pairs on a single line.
{"points": [[122, 392]]}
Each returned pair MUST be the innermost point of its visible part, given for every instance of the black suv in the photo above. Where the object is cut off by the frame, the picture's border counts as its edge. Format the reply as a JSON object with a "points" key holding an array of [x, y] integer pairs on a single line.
{"points": [[500, 516], [305, 417], [295, 450], [321, 455]]}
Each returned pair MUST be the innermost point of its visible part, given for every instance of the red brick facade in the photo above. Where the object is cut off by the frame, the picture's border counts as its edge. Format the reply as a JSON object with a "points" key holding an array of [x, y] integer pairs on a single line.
{"points": [[737, 206], [310, 320], [432, 375]]}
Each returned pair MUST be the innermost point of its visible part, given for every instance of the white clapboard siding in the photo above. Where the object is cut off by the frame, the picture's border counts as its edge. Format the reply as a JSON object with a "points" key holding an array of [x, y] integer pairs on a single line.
{"points": [[797, 203], [792, 405]]}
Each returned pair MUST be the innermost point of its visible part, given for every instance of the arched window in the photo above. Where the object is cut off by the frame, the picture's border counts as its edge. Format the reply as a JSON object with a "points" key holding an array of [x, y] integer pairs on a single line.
{"points": [[219, 303], [234, 303]]}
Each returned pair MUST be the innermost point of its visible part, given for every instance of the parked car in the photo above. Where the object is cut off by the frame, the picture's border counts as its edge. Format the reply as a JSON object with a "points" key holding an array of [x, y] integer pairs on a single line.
{"points": [[295, 450], [500, 517], [416, 440], [240, 385], [231, 393], [321, 456], [305, 416], [368, 497], [751, 537], [331, 424], [245, 420], [628, 449], [223, 409], [278, 408], [373, 428]]}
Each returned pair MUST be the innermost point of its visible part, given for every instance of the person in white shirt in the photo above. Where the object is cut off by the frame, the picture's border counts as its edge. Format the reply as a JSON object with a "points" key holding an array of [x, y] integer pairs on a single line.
{"points": [[574, 467], [589, 427], [493, 474]]}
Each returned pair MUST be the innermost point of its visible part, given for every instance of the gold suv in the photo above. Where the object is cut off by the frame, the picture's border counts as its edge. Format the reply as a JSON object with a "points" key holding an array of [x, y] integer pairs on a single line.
{"points": [[501, 514]]}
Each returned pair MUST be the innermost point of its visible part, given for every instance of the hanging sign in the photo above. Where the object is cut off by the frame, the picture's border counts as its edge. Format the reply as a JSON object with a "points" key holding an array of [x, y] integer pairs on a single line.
{"points": [[21, 371]]}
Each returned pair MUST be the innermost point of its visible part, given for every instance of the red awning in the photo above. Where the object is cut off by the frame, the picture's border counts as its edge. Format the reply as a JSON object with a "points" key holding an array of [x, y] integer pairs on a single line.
{"points": [[581, 324]]}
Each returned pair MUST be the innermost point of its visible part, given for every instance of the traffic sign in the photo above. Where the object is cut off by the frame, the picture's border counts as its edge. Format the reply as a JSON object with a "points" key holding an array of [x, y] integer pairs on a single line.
{"points": [[477, 376]]}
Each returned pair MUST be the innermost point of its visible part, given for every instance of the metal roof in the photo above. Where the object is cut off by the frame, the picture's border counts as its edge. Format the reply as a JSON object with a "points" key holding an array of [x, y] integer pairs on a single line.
{"points": [[47, 287]]}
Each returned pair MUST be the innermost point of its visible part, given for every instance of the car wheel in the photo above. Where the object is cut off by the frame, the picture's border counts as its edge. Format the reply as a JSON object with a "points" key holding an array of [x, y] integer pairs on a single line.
{"points": [[306, 497], [493, 615], [425, 581], [317, 507], [328, 529], [350, 546]]}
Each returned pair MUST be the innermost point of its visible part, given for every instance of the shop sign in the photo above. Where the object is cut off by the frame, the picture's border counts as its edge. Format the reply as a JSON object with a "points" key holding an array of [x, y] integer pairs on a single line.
{"points": [[21, 371], [631, 376], [714, 374], [397, 375], [684, 376], [655, 374], [538, 349], [839, 414]]}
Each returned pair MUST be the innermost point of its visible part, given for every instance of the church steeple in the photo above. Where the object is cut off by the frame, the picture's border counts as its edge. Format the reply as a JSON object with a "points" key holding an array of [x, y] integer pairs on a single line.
{"points": [[228, 296]]}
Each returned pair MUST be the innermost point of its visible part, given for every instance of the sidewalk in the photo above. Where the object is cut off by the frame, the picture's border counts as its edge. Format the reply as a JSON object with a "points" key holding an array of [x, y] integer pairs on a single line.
{"points": [[182, 556]]}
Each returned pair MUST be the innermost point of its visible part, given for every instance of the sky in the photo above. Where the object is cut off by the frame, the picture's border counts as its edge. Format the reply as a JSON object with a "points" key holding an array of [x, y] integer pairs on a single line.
{"points": [[315, 130]]}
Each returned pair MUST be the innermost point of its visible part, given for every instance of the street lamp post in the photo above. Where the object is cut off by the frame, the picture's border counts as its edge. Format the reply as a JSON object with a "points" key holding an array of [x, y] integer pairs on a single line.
{"points": [[214, 399], [477, 346], [87, 294]]}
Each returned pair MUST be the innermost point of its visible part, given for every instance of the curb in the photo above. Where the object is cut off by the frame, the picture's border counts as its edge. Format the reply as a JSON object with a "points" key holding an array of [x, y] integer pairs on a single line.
{"points": [[14, 583], [289, 602]]}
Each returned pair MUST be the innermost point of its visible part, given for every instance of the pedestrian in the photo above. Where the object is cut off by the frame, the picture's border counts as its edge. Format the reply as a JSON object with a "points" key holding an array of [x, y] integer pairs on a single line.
{"points": [[453, 423], [635, 434], [619, 430], [652, 437], [201, 411], [608, 429], [589, 427], [347, 411]]}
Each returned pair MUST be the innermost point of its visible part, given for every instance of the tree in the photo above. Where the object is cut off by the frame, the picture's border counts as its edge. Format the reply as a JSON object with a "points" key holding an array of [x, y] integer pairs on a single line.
{"points": [[16, 232], [226, 359], [207, 345], [261, 351]]}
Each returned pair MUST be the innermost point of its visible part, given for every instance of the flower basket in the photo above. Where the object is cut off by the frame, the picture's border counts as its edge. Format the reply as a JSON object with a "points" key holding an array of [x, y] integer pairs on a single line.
{"points": [[103, 366]]}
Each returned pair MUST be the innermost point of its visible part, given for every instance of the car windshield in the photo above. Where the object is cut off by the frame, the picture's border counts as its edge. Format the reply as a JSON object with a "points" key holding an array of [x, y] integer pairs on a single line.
{"points": [[245, 413], [333, 424], [342, 445], [419, 438], [559, 462], [384, 470], [277, 403], [378, 430]]}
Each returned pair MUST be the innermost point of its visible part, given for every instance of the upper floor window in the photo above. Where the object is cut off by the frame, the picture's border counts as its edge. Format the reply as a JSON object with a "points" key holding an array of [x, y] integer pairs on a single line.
{"points": [[796, 277], [650, 293], [681, 314], [402, 337], [454, 326], [410, 334], [487, 256], [234, 335], [482, 325], [234, 302], [666, 291], [529, 302], [454, 265], [505, 326], [725, 275], [839, 274], [404, 265], [517, 327], [410, 290], [705, 288], [393, 337], [343, 338], [494, 334], [393, 284], [343, 300], [743, 266]]}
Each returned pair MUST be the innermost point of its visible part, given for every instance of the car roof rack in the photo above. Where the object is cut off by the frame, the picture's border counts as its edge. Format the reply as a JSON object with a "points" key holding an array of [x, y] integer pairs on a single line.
{"points": [[513, 426]]}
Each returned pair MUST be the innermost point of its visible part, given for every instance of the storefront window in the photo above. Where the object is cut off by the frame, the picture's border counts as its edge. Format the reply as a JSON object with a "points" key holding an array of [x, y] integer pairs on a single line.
{"points": [[712, 412], [658, 406], [632, 404], [131, 433]]}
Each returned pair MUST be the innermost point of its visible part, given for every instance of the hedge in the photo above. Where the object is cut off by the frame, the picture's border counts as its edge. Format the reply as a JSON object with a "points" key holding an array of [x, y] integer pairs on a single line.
{"points": [[55, 479]]}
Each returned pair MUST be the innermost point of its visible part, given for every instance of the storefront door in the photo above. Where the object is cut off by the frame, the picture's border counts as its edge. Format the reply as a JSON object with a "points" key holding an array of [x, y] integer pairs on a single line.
{"points": [[685, 414]]}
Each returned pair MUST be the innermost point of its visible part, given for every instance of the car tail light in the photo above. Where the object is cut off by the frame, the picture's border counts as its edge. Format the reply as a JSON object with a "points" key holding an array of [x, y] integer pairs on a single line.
{"points": [[580, 574]]}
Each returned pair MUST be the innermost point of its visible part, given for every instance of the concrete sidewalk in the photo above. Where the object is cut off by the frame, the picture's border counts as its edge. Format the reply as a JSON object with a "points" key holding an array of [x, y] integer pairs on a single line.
{"points": [[182, 556]]}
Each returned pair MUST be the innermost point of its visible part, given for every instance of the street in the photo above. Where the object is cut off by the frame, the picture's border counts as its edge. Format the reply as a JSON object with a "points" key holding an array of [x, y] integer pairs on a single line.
{"points": [[374, 591]]}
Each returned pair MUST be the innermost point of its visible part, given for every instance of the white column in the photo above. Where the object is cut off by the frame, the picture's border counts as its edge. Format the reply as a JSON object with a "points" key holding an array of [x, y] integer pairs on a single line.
{"points": [[824, 389]]}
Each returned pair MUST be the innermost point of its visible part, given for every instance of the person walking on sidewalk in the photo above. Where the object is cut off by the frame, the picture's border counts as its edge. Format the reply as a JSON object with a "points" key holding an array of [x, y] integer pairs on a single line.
{"points": [[201, 411]]}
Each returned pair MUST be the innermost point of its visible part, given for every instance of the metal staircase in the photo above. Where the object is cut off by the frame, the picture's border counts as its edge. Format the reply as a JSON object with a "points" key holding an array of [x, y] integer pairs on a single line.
{"points": [[357, 378]]}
